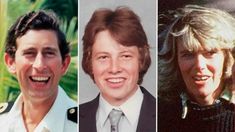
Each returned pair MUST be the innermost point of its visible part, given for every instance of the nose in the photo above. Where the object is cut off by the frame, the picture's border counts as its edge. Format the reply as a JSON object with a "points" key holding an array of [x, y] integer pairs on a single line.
{"points": [[200, 62], [39, 63], [114, 67]]}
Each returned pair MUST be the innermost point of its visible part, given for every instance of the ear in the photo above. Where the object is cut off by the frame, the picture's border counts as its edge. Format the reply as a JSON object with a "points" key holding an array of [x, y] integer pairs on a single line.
{"points": [[65, 64], [10, 63]]}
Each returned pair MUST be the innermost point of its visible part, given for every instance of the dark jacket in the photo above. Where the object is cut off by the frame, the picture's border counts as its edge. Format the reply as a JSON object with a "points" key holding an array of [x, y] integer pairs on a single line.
{"points": [[146, 123]]}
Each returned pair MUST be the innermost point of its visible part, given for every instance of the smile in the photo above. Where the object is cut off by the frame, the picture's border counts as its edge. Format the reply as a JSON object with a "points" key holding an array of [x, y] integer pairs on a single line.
{"points": [[40, 79], [200, 78], [115, 80]]}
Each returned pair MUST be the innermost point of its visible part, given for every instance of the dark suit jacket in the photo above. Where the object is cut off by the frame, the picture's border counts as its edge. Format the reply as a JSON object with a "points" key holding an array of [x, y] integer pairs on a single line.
{"points": [[146, 123]]}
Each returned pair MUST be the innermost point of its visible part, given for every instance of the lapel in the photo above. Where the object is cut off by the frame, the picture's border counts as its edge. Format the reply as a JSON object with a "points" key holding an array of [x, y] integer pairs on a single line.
{"points": [[147, 119], [87, 116]]}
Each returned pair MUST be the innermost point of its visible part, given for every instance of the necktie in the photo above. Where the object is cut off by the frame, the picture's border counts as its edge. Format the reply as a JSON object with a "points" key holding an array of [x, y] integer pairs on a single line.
{"points": [[114, 118]]}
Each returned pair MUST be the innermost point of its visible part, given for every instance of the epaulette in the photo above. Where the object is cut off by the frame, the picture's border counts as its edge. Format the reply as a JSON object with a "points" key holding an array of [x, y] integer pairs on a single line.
{"points": [[5, 107], [72, 114]]}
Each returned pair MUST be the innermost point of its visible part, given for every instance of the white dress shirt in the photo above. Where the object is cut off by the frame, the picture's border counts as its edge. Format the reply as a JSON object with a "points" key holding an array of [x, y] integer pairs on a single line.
{"points": [[130, 108], [54, 121]]}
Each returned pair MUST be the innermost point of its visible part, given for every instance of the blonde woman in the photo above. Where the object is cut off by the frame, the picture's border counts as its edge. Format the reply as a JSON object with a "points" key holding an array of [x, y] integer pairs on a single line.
{"points": [[195, 72]]}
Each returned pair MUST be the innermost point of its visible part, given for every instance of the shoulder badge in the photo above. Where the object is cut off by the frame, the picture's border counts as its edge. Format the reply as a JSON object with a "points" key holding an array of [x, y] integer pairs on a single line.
{"points": [[72, 114], [5, 107]]}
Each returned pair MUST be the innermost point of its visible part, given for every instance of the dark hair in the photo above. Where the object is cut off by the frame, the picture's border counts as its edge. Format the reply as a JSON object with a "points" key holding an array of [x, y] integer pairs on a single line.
{"points": [[35, 21], [125, 27]]}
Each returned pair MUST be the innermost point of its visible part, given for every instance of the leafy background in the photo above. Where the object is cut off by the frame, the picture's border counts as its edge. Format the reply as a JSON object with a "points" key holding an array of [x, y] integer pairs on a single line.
{"points": [[66, 11]]}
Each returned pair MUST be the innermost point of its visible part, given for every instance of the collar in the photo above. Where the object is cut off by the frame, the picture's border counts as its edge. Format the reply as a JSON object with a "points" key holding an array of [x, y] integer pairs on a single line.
{"points": [[130, 108], [184, 98], [57, 114]]}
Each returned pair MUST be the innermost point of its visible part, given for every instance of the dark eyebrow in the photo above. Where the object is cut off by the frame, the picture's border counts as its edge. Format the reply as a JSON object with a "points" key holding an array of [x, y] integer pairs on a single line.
{"points": [[29, 49], [50, 49]]}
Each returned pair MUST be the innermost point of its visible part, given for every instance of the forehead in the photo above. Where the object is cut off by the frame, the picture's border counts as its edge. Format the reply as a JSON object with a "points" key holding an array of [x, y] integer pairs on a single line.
{"points": [[105, 42], [37, 39], [197, 44]]}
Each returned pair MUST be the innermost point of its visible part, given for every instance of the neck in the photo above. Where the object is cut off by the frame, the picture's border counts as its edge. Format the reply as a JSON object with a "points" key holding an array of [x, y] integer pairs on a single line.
{"points": [[205, 101], [34, 112], [209, 99], [121, 100]]}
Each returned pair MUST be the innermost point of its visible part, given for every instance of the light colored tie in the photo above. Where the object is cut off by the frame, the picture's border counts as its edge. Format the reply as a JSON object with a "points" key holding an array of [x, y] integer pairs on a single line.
{"points": [[114, 118]]}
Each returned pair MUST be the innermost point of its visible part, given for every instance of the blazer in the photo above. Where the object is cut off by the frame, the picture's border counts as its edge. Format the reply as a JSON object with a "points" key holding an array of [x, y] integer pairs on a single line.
{"points": [[147, 118]]}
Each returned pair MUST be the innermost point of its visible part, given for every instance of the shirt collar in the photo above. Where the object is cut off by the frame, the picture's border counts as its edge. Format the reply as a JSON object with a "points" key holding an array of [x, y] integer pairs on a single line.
{"points": [[130, 108], [56, 114]]}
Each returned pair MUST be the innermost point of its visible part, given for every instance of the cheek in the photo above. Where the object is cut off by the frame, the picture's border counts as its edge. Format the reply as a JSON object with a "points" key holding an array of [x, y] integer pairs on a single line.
{"points": [[216, 67], [185, 66], [21, 65], [55, 63], [98, 69], [56, 68], [132, 69]]}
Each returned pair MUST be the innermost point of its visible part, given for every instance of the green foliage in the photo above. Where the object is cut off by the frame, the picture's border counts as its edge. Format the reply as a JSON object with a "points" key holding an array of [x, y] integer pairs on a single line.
{"points": [[69, 81], [66, 9], [3, 28], [9, 11], [8, 82]]}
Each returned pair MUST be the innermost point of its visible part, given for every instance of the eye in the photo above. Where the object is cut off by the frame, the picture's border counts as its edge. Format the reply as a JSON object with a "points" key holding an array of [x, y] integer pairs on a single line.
{"points": [[102, 57], [126, 56], [210, 53], [29, 53], [187, 55], [49, 52]]}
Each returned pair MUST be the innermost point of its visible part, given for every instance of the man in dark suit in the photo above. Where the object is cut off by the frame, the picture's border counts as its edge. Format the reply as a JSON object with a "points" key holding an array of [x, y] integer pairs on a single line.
{"points": [[116, 56]]}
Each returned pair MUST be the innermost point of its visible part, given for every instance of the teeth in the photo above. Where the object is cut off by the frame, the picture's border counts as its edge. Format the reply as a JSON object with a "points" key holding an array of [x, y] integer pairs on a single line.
{"points": [[201, 78], [40, 78], [115, 80]]}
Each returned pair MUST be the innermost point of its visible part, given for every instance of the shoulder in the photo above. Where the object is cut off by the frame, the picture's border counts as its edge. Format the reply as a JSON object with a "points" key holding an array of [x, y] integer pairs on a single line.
{"points": [[72, 114], [149, 104], [87, 111], [229, 106], [169, 114], [91, 105], [87, 115], [166, 106], [5, 107], [71, 124], [147, 96], [147, 117]]}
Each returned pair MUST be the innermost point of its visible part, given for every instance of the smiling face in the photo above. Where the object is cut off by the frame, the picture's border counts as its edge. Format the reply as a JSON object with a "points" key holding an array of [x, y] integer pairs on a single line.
{"points": [[202, 72], [115, 68], [38, 64]]}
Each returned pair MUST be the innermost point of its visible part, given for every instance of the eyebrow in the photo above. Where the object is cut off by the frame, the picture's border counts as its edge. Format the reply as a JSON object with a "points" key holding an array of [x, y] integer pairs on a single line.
{"points": [[29, 49], [100, 52], [50, 49], [44, 49], [126, 51], [185, 51]]}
